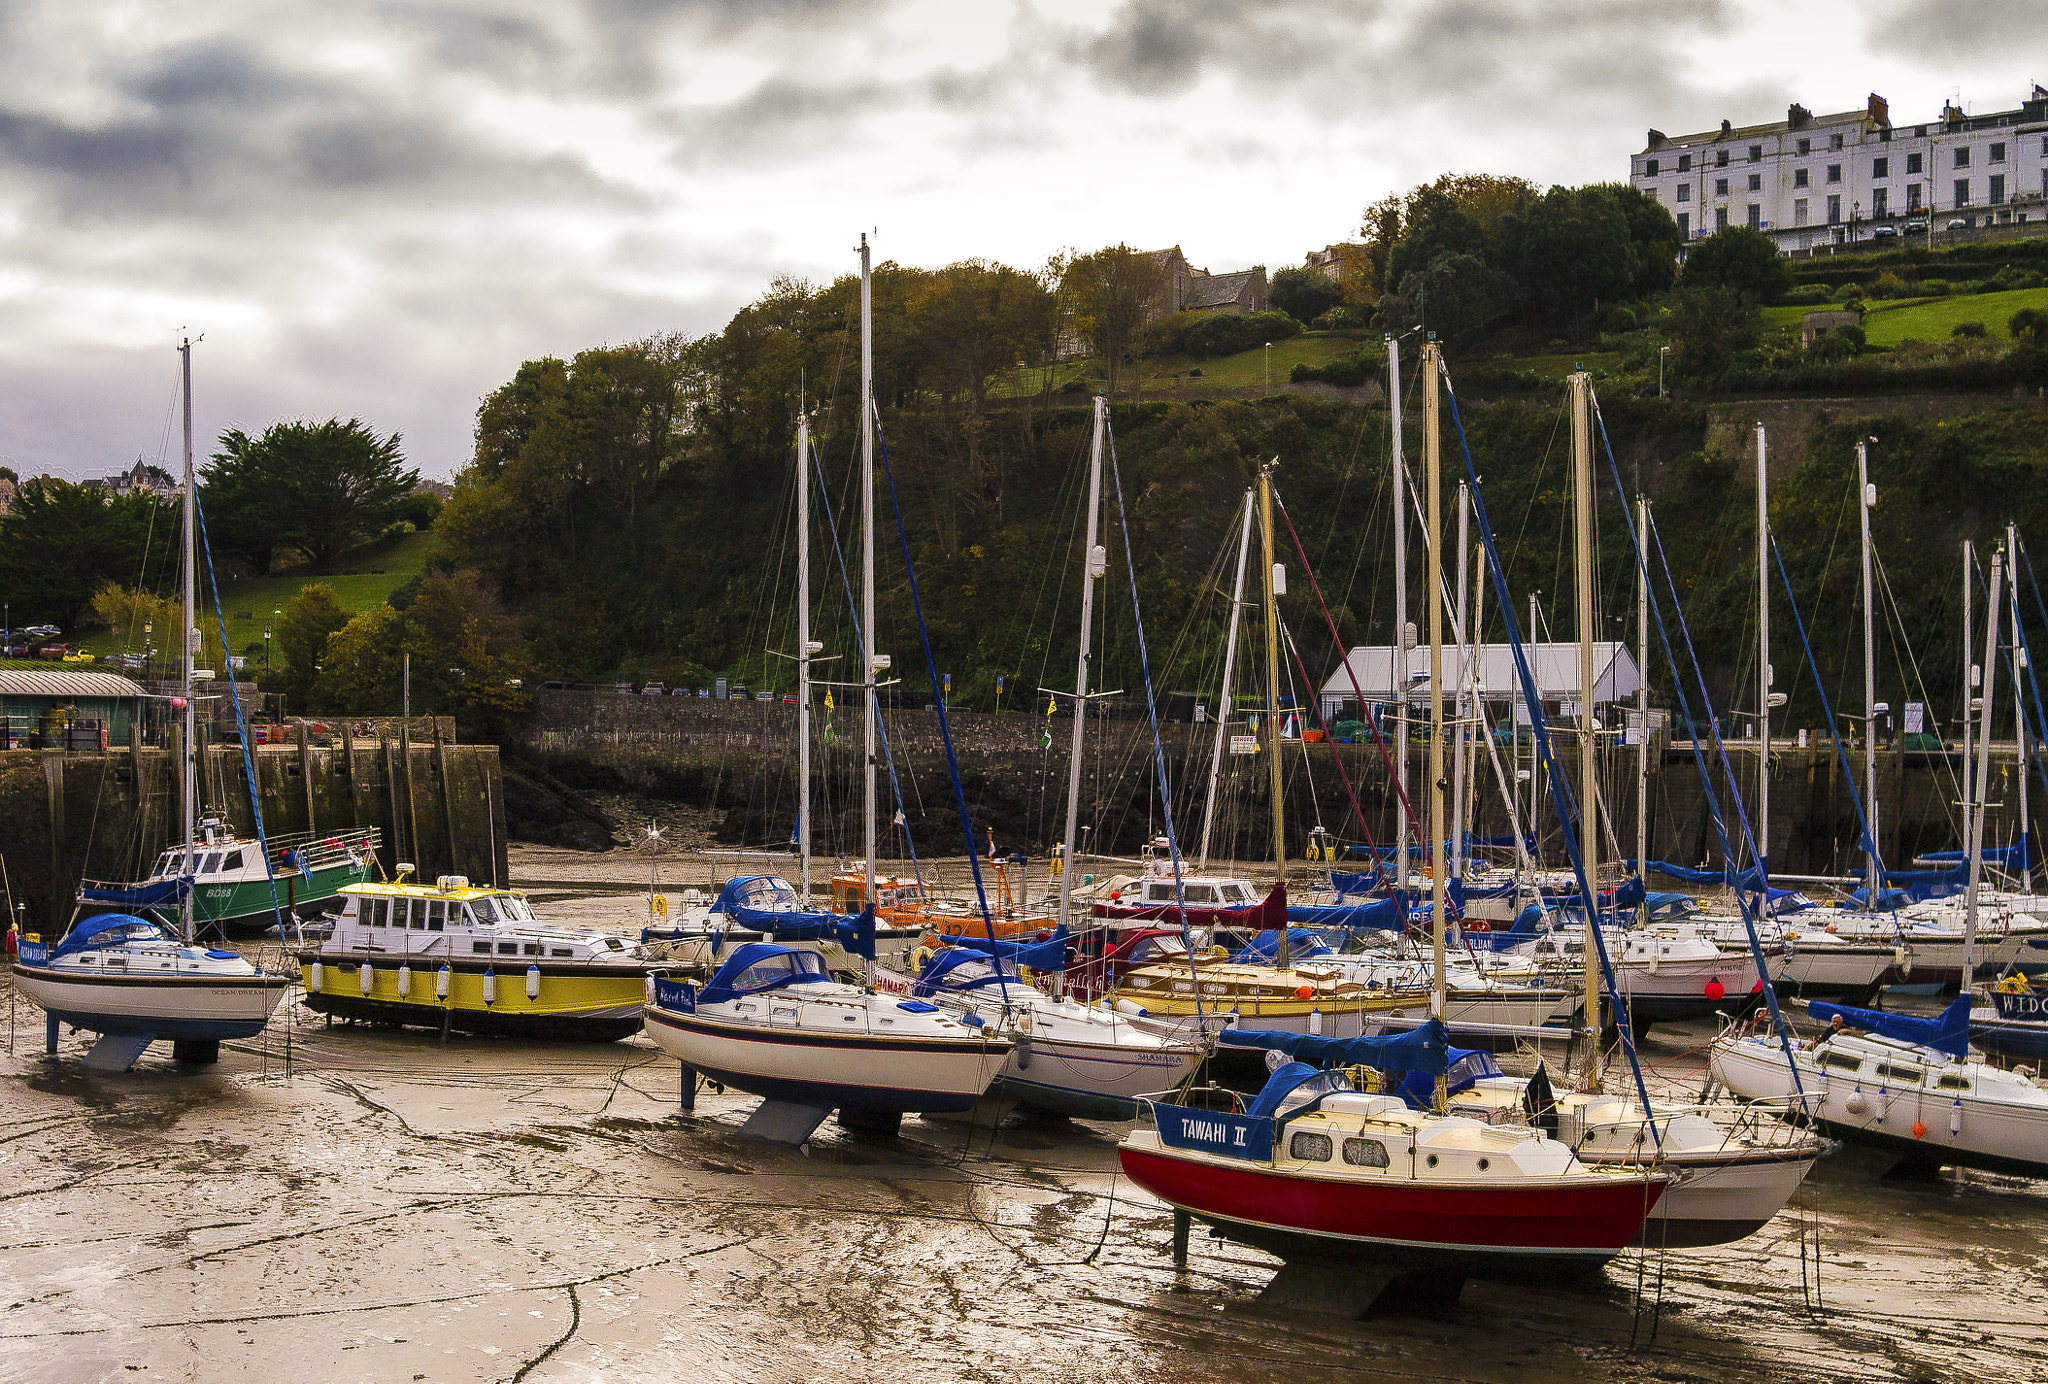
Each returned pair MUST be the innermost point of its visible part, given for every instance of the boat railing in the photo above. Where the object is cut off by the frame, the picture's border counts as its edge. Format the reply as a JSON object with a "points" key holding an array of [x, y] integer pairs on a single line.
{"points": [[1761, 1124], [317, 850]]}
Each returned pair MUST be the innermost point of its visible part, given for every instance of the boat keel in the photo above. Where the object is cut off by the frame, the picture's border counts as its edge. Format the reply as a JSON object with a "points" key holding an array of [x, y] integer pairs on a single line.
{"points": [[117, 1052], [1337, 1288], [784, 1122]]}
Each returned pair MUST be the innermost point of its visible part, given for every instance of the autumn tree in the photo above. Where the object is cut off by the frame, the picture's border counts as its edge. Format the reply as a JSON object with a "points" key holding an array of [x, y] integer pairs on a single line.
{"points": [[1112, 292]]}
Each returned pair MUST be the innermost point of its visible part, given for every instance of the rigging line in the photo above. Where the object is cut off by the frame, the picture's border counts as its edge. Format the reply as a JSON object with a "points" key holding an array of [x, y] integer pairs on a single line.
{"points": [[1364, 707], [1835, 736], [945, 728], [1560, 790], [860, 642], [1180, 892], [1315, 703], [1895, 624]]}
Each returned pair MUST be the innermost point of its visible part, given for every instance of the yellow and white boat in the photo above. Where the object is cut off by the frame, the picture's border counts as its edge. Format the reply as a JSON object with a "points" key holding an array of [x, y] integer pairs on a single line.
{"points": [[454, 955]]}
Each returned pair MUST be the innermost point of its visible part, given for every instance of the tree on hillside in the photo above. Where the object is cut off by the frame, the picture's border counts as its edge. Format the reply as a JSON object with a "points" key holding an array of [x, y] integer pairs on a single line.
{"points": [[1653, 233], [977, 320], [1569, 250], [1741, 260], [1304, 294], [60, 542], [1711, 325], [302, 633], [469, 657], [317, 488], [1111, 293], [1482, 198]]}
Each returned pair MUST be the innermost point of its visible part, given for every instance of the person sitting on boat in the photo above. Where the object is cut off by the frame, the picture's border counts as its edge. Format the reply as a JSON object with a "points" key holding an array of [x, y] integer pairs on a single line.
{"points": [[1834, 1029]]}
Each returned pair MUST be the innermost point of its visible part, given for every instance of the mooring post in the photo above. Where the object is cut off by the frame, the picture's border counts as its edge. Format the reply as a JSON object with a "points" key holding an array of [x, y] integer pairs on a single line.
{"points": [[1181, 1223], [689, 1085], [50, 1035]]}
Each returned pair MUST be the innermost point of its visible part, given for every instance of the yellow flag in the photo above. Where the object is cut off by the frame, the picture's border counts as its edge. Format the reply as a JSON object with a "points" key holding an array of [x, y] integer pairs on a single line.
{"points": [[828, 700], [1052, 704]]}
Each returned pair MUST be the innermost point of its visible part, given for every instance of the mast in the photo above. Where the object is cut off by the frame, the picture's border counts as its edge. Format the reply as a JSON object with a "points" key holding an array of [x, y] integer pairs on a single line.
{"points": [[1763, 656], [1535, 768], [803, 652], [1589, 782], [1474, 638], [1464, 661], [1969, 664], [871, 716], [1432, 368], [1643, 688], [1974, 832], [1867, 497], [1094, 563], [1223, 708], [1399, 672], [2023, 758], [1275, 582], [188, 802]]}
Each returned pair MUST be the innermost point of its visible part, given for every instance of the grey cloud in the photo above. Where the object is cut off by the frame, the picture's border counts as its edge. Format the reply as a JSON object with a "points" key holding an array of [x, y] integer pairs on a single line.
{"points": [[1916, 29], [784, 117], [1154, 47]]}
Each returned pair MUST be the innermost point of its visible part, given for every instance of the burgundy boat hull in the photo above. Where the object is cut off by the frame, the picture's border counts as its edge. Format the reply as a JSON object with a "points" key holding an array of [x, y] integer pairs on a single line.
{"points": [[1512, 1232]]}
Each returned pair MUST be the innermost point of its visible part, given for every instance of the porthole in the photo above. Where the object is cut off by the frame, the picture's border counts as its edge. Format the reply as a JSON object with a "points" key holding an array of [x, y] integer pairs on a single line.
{"points": [[1432, 1160], [1484, 1165]]}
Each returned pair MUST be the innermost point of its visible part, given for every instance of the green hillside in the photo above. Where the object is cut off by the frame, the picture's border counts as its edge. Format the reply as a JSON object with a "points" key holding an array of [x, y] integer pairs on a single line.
{"points": [[1932, 319], [366, 578]]}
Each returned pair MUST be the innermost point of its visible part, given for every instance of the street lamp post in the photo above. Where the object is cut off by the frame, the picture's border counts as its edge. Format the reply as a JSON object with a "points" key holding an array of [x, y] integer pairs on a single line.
{"points": [[1662, 351], [1269, 367]]}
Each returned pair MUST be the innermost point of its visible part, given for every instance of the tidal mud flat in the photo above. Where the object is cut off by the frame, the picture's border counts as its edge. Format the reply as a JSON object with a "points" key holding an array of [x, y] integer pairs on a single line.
{"points": [[345, 1203]]}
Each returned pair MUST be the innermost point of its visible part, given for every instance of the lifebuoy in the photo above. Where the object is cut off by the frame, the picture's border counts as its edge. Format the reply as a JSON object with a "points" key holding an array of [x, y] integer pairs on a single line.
{"points": [[1478, 925], [919, 957]]}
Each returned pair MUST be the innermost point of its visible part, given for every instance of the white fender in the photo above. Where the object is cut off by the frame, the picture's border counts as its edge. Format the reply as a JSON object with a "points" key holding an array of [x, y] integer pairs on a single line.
{"points": [[533, 982], [318, 978], [1315, 1022], [404, 979], [1955, 1118], [490, 986], [366, 977], [1856, 1104], [441, 982]]}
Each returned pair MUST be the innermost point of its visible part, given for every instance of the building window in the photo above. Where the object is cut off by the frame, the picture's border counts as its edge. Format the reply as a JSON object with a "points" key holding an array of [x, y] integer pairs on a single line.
{"points": [[1835, 210], [1834, 142], [1799, 211], [1962, 193], [1756, 153], [1756, 217], [1912, 196], [1912, 163], [1685, 163], [1962, 156], [1880, 201], [1720, 218], [1756, 182], [1684, 193], [1806, 146], [1834, 172], [1721, 158], [1720, 187], [1649, 168], [1880, 168], [1684, 224], [1997, 189], [1998, 153], [1799, 178]]}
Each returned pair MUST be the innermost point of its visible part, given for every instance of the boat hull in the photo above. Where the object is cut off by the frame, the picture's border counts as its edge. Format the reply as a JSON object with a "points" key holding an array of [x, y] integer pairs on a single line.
{"points": [[577, 1003], [174, 1007], [1716, 1201], [1478, 1231], [1084, 1080], [845, 1071]]}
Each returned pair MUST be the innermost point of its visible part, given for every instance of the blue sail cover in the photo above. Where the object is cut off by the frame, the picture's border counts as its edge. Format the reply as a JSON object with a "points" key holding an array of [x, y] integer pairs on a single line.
{"points": [[1746, 879], [2013, 857], [1354, 882], [1047, 955], [1381, 915], [1921, 885], [780, 966], [767, 903], [1423, 1049], [1265, 948], [106, 930], [160, 893], [1467, 1065], [1949, 1033]]}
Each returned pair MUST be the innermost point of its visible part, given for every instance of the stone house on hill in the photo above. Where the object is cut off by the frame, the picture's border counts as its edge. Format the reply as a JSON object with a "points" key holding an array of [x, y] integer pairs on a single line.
{"points": [[1188, 289]]}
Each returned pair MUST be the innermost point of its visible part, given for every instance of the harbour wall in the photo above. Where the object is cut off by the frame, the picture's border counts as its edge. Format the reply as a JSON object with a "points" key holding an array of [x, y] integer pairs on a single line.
{"points": [[739, 760], [63, 817]]}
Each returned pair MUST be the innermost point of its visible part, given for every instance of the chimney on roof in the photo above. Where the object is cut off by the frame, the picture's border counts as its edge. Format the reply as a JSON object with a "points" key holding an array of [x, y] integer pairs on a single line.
{"points": [[1880, 111], [1726, 126], [1798, 116], [1656, 140], [1951, 113]]}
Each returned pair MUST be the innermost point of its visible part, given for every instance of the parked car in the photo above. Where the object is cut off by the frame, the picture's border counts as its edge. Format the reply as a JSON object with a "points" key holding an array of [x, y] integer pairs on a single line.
{"points": [[653, 689], [622, 687], [789, 697], [554, 685], [1916, 228], [705, 691], [1885, 233], [1961, 223], [764, 696], [42, 631]]}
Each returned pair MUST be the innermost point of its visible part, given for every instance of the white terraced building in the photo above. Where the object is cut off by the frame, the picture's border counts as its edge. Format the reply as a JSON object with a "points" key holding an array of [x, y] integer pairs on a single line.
{"points": [[1815, 180]]}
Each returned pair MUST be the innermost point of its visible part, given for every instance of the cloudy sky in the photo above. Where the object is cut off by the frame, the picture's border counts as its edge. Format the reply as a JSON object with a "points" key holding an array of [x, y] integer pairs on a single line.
{"points": [[379, 208]]}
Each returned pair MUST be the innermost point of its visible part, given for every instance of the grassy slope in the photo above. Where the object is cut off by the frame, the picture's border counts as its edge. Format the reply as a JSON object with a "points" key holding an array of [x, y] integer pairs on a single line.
{"points": [[1934, 318], [1246, 369]]}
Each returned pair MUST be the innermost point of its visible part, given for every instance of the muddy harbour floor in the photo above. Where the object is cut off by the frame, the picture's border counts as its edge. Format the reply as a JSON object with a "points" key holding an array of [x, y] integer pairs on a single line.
{"points": [[341, 1203]]}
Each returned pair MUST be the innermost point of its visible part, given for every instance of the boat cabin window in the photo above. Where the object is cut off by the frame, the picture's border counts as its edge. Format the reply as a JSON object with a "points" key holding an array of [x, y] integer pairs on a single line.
{"points": [[1310, 1148], [1900, 1072], [1842, 1061], [1365, 1153], [212, 864], [614, 944], [781, 969], [370, 912], [437, 914], [513, 909], [563, 951], [1237, 893], [484, 911], [1156, 949], [1952, 1083], [484, 947], [233, 862], [508, 949], [535, 949]]}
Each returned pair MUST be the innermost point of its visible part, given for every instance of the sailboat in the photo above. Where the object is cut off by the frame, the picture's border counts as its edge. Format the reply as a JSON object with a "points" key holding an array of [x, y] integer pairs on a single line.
{"points": [[772, 1021], [1902, 1083], [132, 979], [1357, 1188]]}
